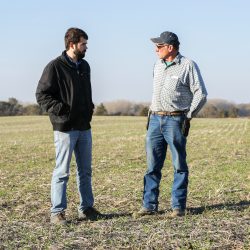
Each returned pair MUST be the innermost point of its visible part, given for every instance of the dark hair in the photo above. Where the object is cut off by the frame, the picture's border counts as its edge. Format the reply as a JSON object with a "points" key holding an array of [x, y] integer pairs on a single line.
{"points": [[74, 35]]}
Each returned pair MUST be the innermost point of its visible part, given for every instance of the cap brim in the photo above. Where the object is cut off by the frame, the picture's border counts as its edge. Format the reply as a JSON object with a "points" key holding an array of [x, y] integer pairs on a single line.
{"points": [[156, 40]]}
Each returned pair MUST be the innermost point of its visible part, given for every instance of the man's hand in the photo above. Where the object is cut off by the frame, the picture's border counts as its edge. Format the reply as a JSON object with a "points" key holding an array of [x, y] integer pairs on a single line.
{"points": [[148, 120], [186, 127]]}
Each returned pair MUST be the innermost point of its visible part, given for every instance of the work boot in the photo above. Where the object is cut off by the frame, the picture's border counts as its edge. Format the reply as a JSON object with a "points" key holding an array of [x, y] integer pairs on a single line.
{"points": [[58, 219], [178, 212], [143, 212], [89, 213]]}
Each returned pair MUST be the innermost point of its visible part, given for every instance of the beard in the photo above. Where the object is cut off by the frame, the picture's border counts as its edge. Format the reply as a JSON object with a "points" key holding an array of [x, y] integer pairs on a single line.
{"points": [[80, 55]]}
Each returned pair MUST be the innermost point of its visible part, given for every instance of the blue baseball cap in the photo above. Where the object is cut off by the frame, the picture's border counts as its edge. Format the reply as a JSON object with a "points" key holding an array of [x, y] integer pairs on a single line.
{"points": [[166, 37]]}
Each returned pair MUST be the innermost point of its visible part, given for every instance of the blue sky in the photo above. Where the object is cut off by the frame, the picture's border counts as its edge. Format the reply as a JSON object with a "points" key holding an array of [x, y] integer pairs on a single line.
{"points": [[215, 34]]}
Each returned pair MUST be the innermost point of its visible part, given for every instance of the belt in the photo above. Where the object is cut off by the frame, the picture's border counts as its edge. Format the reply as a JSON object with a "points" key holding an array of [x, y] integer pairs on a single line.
{"points": [[166, 113]]}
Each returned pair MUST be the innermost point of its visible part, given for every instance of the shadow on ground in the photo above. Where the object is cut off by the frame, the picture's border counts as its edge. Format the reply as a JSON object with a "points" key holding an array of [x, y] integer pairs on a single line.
{"points": [[240, 206]]}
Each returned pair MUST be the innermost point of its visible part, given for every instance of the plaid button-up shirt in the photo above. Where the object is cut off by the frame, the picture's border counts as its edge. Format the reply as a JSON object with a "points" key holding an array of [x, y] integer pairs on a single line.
{"points": [[178, 87]]}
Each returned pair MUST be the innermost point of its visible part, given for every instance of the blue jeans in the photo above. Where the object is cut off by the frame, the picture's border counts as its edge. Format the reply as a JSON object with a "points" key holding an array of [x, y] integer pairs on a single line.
{"points": [[65, 143], [164, 131]]}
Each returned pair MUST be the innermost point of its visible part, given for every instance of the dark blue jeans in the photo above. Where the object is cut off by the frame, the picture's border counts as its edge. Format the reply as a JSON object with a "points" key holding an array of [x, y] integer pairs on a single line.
{"points": [[165, 131]]}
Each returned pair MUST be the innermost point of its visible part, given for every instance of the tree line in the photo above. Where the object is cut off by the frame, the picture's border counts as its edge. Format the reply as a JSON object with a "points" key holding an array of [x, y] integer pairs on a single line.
{"points": [[13, 107], [213, 109]]}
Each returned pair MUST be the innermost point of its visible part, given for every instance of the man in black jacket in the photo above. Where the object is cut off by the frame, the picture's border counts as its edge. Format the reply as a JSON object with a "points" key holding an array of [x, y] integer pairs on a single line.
{"points": [[64, 91]]}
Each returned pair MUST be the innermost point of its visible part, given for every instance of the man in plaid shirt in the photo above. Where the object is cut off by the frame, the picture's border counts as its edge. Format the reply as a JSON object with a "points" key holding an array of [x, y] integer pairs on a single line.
{"points": [[178, 95]]}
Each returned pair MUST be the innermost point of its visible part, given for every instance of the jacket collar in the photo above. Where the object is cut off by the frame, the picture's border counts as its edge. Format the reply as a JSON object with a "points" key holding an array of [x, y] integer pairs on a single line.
{"points": [[69, 61]]}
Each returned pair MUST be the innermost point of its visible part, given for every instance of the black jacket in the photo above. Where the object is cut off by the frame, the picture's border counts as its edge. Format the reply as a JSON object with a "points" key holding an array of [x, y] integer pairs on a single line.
{"points": [[64, 91]]}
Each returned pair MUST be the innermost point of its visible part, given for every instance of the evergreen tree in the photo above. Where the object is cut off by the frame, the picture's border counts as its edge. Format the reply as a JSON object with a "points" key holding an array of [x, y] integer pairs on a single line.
{"points": [[101, 110]]}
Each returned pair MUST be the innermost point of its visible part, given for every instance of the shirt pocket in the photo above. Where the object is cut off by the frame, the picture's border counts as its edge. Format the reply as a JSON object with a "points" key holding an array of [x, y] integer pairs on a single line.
{"points": [[171, 82], [169, 88]]}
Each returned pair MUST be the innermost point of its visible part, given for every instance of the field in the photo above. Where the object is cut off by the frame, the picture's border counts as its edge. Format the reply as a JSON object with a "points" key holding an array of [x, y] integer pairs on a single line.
{"points": [[218, 200]]}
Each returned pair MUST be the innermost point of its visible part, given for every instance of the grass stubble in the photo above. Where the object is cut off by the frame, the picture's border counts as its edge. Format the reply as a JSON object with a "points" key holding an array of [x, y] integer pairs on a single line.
{"points": [[218, 201]]}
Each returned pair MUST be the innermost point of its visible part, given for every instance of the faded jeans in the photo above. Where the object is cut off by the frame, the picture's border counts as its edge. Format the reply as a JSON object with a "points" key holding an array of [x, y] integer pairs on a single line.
{"points": [[65, 143], [165, 131]]}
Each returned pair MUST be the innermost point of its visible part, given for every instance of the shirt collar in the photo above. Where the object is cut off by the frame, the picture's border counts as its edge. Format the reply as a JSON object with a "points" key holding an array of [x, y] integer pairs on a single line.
{"points": [[70, 61], [176, 60]]}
